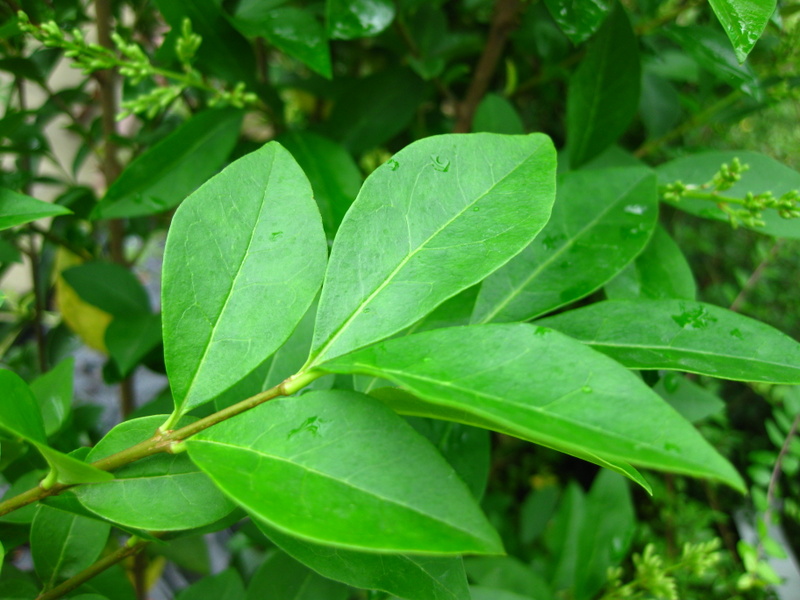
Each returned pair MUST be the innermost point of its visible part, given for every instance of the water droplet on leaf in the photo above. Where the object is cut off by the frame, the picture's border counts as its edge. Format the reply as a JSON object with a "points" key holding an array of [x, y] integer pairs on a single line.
{"points": [[697, 318], [276, 235], [392, 164], [440, 165]]}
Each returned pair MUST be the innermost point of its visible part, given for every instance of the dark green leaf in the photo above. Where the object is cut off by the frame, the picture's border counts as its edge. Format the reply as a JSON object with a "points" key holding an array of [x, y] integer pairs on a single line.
{"points": [[495, 114], [283, 577], [130, 339], [352, 19], [408, 576], [508, 574], [660, 271], [338, 468], [161, 177], [243, 261], [19, 411], [227, 585], [604, 92], [579, 20], [484, 593], [63, 544], [437, 218], [541, 386], [110, 287], [694, 402], [293, 30], [684, 336], [16, 209], [744, 22], [764, 175], [53, 393], [659, 105], [601, 220], [164, 492], [333, 174]]}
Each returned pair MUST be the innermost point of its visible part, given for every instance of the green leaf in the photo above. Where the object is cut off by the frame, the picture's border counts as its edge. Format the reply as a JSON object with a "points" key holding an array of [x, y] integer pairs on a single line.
{"points": [[17, 209], [53, 393], [764, 175], [227, 585], [110, 287], [660, 271], [243, 261], [129, 340], [281, 576], [63, 544], [353, 19], [684, 336], [579, 20], [293, 30], [543, 387], [601, 220], [164, 492], [692, 401], [24, 515], [659, 105], [437, 218], [603, 93], [162, 176], [485, 593], [743, 21], [338, 468], [495, 114], [333, 174], [509, 574], [68, 502], [407, 576]]}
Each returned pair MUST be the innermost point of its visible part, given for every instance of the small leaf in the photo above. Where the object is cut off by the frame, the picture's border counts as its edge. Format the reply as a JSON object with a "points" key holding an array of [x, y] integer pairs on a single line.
{"points": [[579, 20], [540, 386], [17, 209], [162, 176], [692, 401], [440, 216], [338, 468], [53, 393], [227, 585], [743, 21], [243, 262], [353, 19], [130, 339], [164, 492], [110, 287], [603, 93], [407, 576], [601, 220], [495, 114], [684, 336]]}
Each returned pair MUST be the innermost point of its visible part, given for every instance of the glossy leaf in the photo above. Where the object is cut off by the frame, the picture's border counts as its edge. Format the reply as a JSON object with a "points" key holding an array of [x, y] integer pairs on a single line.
{"points": [[579, 20], [164, 492], [63, 544], [495, 114], [333, 174], [352, 19], [162, 176], [437, 218], [110, 287], [603, 93], [226, 585], [293, 30], [129, 340], [509, 574], [764, 175], [243, 261], [53, 393], [660, 271], [281, 576], [601, 220], [684, 336], [694, 402], [543, 387], [17, 209], [743, 21], [338, 468], [407, 576]]}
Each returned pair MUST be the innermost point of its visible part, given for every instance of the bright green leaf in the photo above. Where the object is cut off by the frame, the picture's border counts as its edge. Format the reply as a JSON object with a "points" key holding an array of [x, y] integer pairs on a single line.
{"points": [[744, 21], [53, 393], [110, 287], [243, 262], [165, 492], [601, 220], [352, 19], [407, 576], [162, 176], [19, 411], [437, 218], [684, 336], [543, 387], [17, 209], [338, 468], [579, 19], [603, 93]]}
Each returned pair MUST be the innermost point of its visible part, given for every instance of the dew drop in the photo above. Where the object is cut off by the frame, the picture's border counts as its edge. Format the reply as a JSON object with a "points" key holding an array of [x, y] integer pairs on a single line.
{"points": [[737, 334], [392, 164], [276, 235], [635, 209], [694, 319], [367, 310], [440, 165], [476, 209]]}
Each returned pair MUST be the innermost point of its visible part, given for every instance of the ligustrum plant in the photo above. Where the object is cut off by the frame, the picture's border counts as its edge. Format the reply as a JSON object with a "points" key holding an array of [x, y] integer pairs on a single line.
{"points": [[372, 261]]}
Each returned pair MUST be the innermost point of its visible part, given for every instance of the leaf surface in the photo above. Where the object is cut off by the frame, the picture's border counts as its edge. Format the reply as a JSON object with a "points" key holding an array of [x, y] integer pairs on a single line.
{"points": [[441, 215], [743, 21], [338, 468], [684, 336], [281, 576], [601, 220], [53, 393], [579, 20], [129, 340], [110, 287], [243, 261], [17, 209], [541, 386], [353, 19]]}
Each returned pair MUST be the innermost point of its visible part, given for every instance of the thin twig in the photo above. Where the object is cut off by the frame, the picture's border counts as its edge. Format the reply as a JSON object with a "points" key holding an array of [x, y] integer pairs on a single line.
{"points": [[776, 473]]}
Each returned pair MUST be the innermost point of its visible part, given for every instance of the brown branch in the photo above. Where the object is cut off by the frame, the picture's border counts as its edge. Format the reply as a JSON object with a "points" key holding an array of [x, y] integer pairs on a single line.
{"points": [[504, 21]]}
